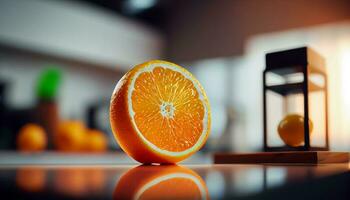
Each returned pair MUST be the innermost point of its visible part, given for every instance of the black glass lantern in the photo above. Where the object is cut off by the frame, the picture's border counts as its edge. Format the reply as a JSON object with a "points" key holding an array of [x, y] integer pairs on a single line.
{"points": [[295, 84]]}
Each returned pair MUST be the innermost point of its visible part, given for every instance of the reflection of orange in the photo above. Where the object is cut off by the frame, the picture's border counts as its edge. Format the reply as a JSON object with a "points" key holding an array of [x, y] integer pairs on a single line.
{"points": [[31, 137], [70, 136], [291, 129], [160, 182], [95, 180], [70, 181], [159, 113], [79, 182], [95, 141], [31, 179]]}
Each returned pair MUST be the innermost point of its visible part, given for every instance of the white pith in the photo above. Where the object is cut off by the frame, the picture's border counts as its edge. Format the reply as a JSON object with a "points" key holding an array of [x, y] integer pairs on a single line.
{"points": [[167, 109], [171, 176], [187, 75]]}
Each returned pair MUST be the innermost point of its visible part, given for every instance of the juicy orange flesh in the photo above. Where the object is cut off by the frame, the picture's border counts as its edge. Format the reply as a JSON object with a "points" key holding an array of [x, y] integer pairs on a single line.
{"points": [[168, 111], [176, 188]]}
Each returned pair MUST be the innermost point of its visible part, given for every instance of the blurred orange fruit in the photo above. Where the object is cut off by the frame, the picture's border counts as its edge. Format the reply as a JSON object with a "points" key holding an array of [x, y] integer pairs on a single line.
{"points": [[95, 141], [31, 137], [159, 113], [70, 136], [161, 182], [31, 179], [291, 129]]}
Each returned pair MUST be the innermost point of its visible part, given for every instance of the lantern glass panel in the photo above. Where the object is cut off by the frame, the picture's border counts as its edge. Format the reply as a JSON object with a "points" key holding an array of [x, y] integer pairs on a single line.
{"points": [[317, 108], [284, 96]]}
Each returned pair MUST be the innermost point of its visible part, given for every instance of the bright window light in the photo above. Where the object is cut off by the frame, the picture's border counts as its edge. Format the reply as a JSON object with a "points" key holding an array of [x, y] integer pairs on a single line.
{"points": [[134, 6]]}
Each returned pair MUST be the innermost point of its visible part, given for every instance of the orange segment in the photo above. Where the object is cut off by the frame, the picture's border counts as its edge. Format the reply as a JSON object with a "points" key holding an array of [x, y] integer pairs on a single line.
{"points": [[159, 113]]}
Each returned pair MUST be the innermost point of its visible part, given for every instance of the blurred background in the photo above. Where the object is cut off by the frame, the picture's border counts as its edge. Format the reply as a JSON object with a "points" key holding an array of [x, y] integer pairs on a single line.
{"points": [[60, 61]]}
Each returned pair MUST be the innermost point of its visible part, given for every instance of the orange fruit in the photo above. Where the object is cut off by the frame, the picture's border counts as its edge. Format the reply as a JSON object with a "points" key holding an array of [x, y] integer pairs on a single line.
{"points": [[159, 182], [291, 129], [159, 113], [31, 137], [70, 136], [96, 141], [31, 179]]}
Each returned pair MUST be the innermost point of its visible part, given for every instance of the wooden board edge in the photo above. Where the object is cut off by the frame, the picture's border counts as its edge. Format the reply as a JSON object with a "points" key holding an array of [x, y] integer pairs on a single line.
{"points": [[313, 157]]}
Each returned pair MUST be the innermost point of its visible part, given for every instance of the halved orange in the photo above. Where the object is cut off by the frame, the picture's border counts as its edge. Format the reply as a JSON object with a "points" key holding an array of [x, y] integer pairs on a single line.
{"points": [[159, 113], [160, 182]]}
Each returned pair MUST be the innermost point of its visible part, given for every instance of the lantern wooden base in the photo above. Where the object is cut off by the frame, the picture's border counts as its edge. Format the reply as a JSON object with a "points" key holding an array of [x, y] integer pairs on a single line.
{"points": [[300, 157]]}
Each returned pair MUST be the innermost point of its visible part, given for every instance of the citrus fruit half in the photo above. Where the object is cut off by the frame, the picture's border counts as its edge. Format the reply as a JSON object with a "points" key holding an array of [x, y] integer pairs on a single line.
{"points": [[159, 113]]}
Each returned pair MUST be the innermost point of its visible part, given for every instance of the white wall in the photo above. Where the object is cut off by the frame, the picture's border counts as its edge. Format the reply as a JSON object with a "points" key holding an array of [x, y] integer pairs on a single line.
{"points": [[81, 85], [77, 31]]}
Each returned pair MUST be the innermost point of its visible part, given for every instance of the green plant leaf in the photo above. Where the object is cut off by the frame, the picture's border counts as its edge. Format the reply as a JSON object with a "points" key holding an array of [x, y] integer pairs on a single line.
{"points": [[48, 83]]}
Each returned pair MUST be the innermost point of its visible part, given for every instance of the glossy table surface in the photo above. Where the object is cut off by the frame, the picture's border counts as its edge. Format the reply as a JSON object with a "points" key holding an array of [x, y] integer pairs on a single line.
{"points": [[184, 181]]}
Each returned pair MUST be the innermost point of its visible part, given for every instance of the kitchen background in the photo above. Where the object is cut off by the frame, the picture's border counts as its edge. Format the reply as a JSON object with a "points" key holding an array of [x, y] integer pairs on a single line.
{"points": [[92, 43]]}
